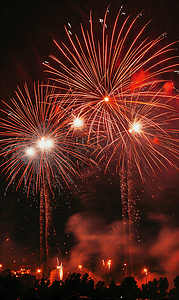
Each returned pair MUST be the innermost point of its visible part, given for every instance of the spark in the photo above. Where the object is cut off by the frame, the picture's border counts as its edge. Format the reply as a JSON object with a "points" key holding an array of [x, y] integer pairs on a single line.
{"points": [[135, 127], [30, 151], [109, 263], [145, 271], [78, 122], [45, 144]]}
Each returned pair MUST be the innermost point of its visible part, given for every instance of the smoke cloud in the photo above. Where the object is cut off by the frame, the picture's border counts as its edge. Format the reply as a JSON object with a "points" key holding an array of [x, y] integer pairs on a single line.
{"points": [[94, 242], [166, 250]]}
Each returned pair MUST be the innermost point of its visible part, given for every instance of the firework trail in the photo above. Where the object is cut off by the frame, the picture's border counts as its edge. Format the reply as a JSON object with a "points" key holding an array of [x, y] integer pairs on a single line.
{"points": [[38, 147], [60, 270], [117, 82], [45, 222]]}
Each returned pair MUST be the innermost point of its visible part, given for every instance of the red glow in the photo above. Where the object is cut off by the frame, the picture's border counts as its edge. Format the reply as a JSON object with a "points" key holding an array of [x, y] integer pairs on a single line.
{"points": [[155, 140], [168, 86], [137, 79]]}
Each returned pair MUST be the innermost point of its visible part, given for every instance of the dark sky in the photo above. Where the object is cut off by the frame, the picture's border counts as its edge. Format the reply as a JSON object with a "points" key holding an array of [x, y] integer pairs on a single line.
{"points": [[89, 215]]}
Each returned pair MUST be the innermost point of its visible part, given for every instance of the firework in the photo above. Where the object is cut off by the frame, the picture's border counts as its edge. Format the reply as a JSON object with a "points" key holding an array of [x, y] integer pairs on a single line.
{"points": [[99, 71], [117, 83], [38, 147], [60, 270], [148, 136]]}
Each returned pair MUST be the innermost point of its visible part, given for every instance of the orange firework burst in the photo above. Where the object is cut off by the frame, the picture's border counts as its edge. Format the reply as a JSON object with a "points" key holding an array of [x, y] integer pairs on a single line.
{"points": [[39, 149], [100, 71]]}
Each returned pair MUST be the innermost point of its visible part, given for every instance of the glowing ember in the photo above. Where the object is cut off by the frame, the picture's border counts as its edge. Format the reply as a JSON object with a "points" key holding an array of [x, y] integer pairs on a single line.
{"points": [[78, 122], [45, 143], [168, 86], [145, 270], [109, 263], [30, 151], [136, 127]]}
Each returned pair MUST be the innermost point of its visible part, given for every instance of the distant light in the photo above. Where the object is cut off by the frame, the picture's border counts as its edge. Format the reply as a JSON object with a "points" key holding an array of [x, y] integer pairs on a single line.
{"points": [[30, 151], [146, 271], [48, 143], [78, 122], [106, 99], [45, 143], [135, 127], [109, 262]]}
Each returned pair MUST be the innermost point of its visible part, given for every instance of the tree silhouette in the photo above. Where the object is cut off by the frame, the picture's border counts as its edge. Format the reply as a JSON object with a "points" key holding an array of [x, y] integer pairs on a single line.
{"points": [[174, 293], [114, 289], [150, 289], [9, 287], [163, 287], [72, 283], [86, 285], [176, 282], [100, 289], [129, 288], [100, 285]]}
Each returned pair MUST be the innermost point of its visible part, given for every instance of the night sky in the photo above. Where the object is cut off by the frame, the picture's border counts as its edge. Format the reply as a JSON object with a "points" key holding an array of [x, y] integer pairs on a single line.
{"points": [[86, 219]]}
